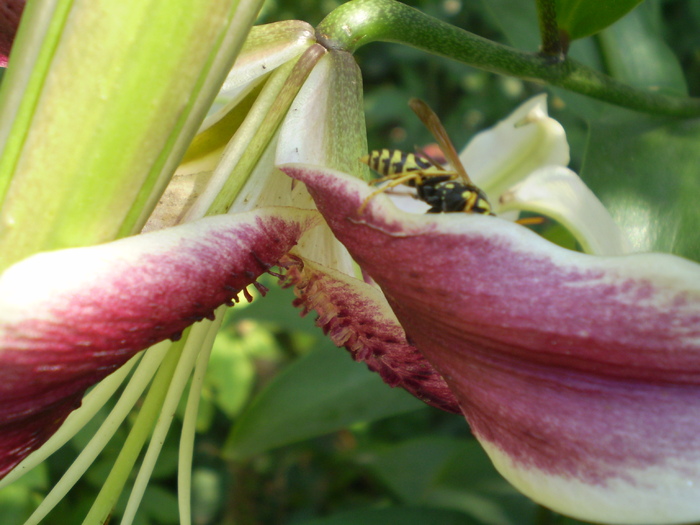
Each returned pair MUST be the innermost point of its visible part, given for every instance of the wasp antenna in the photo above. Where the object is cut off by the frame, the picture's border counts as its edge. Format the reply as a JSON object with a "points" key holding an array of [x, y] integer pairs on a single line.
{"points": [[432, 122]]}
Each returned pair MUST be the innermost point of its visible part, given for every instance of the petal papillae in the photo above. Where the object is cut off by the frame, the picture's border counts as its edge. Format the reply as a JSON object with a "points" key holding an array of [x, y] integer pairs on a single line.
{"points": [[355, 315], [579, 374], [70, 317]]}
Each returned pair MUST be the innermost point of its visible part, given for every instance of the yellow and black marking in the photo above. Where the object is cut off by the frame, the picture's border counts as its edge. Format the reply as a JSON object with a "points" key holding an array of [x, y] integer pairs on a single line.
{"points": [[454, 196], [391, 162], [409, 169], [444, 190]]}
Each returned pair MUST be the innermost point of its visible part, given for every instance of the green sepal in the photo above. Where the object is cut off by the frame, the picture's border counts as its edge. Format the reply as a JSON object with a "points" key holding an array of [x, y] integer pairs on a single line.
{"points": [[636, 53]]}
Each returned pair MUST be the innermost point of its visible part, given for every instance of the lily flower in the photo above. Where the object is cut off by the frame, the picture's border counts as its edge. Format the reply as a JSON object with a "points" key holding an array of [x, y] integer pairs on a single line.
{"points": [[324, 125], [555, 358], [579, 374]]}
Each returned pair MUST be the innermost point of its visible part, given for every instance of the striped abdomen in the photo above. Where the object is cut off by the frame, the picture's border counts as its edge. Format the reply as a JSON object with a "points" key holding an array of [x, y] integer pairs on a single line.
{"points": [[388, 162]]}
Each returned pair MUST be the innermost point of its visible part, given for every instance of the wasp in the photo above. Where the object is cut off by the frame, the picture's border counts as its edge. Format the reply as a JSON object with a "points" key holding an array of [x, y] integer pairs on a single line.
{"points": [[444, 190]]}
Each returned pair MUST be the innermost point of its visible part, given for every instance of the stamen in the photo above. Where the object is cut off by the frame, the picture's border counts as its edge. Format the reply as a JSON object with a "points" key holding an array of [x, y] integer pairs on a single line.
{"points": [[261, 288]]}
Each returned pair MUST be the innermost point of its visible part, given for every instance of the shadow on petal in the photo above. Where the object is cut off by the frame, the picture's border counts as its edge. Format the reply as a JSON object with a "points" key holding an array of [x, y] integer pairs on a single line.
{"points": [[356, 316]]}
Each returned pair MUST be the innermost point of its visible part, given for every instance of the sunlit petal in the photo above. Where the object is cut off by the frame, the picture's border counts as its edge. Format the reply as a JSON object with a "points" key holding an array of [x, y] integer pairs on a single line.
{"points": [[267, 47], [515, 147], [560, 194], [579, 374], [326, 126]]}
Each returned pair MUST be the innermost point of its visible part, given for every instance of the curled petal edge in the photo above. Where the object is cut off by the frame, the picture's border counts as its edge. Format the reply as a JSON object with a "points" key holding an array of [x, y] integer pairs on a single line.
{"points": [[356, 316], [528, 139], [560, 194], [266, 48]]}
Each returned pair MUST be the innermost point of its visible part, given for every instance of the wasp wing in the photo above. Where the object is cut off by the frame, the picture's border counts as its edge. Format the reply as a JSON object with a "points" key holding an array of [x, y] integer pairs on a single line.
{"points": [[432, 122]]}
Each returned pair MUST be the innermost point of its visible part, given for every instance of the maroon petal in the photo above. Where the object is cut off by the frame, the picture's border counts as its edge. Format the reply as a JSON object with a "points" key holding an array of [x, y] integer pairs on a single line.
{"points": [[71, 317], [579, 374], [10, 13], [356, 316]]}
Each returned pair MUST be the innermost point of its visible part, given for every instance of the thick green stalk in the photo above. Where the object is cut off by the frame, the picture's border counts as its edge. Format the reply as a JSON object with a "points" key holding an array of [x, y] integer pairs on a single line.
{"points": [[100, 101], [360, 22]]}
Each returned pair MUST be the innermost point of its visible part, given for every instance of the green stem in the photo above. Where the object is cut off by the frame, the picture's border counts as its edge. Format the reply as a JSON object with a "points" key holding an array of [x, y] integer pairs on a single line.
{"points": [[143, 426], [549, 30], [360, 22]]}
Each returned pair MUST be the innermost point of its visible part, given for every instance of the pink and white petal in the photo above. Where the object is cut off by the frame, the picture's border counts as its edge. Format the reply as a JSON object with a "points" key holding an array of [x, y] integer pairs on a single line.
{"points": [[560, 194], [579, 374], [356, 316], [69, 318], [515, 147]]}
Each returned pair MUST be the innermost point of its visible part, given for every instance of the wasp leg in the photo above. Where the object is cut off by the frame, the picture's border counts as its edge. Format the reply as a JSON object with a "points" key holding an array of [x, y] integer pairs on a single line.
{"points": [[396, 180], [397, 176], [412, 176]]}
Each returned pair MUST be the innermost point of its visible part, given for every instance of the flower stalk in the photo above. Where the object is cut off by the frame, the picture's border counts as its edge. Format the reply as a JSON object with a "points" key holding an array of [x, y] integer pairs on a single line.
{"points": [[552, 45], [140, 432], [360, 22]]}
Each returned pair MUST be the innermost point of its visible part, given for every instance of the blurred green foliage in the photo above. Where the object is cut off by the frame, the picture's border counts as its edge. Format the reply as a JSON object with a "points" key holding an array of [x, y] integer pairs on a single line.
{"points": [[353, 451], [580, 19]]}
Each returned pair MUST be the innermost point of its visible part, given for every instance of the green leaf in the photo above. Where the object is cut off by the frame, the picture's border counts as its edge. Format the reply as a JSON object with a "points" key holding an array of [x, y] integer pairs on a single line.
{"points": [[397, 516], [636, 53], [469, 482], [160, 504], [409, 469], [581, 18], [645, 170], [455, 474], [320, 393], [209, 494]]}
